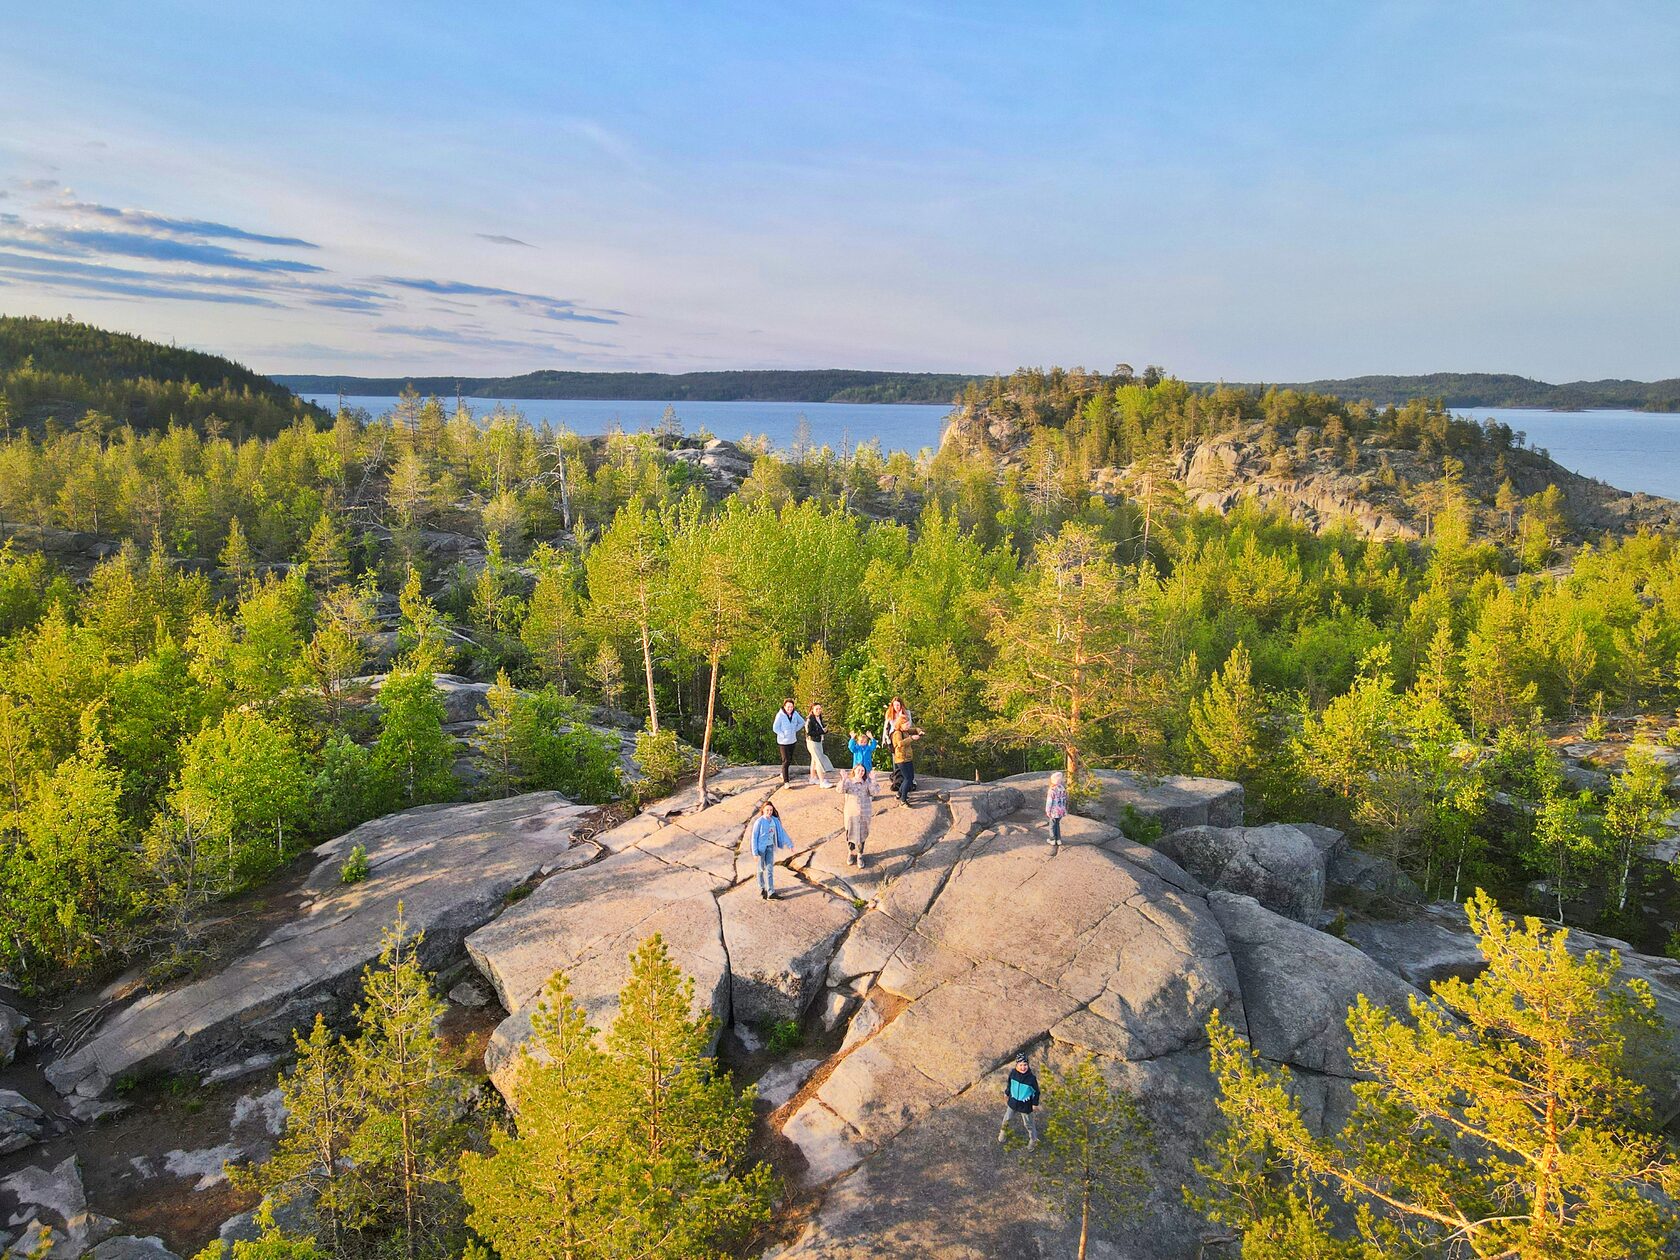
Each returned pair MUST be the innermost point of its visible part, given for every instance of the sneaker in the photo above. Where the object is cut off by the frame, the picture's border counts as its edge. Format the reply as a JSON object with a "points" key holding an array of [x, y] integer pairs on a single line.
{"points": [[1000, 1135], [763, 894]]}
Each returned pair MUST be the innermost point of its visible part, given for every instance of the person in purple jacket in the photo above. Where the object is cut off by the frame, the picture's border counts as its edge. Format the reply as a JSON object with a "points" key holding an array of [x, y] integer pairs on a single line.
{"points": [[1055, 808]]}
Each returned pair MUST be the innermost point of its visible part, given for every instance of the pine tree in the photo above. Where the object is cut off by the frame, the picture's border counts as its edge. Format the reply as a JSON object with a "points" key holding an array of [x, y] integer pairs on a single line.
{"points": [[496, 736], [322, 1110], [1096, 1143], [337, 650], [681, 1131], [551, 1189], [404, 1147], [1226, 737], [1633, 815], [606, 670], [1500, 1117], [550, 626], [413, 752], [714, 619], [421, 637], [235, 555], [1063, 652], [327, 553], [626, 570]]}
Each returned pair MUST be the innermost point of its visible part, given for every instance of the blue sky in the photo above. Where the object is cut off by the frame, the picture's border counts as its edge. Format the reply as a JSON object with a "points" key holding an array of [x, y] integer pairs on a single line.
{"points": [[1244, 190]]}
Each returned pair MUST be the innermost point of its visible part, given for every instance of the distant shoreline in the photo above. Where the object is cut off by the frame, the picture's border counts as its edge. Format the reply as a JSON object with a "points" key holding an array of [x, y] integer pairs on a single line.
{"points": [[847, 385]]}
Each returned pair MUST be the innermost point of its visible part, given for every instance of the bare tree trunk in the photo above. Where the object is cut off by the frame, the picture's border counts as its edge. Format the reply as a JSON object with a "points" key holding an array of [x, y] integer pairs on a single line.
{"points": [[647, 666], [711, 713]]}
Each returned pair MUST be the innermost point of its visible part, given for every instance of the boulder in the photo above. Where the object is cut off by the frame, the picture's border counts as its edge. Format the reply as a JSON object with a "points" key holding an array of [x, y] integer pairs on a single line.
{"points": [[128, 1247], [22, 1123], [42, 1199], [1364, 880], [12, 1025], [449, 866], [1298, 983], [462, 698], [1280, 866]]}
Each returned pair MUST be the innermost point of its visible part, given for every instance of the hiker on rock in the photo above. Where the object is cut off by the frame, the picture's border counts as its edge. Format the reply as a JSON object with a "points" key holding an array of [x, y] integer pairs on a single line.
{"points": [[1055, 808], [768, 835], [862, 746], [904, 739], [895, 710], [815, 731], [858, 809], [1020, 1094], [789, 722]]}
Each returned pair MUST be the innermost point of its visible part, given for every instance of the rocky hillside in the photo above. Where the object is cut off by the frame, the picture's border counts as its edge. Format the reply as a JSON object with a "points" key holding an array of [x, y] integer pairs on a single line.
{"points": [[1376, 490], [962, 942]]}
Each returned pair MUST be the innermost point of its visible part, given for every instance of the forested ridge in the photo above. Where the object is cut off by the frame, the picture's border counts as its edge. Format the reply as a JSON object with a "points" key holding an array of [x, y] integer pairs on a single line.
{"points": [[218, 649], [798, 385], [58, 371]]}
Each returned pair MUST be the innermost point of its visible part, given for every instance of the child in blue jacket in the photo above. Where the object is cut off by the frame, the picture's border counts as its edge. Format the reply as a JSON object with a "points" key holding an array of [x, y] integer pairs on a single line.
{"points": [[768, 835]]}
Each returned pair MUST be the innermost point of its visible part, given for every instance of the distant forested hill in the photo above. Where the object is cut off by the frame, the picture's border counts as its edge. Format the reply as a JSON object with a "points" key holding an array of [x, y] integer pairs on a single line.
{"points": [[1492, 389], [60, 370], [813, 385]]}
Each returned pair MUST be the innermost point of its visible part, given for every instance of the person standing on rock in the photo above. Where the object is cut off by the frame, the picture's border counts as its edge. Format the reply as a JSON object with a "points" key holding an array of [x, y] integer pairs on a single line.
{"points": [[904, 739], [789, 722], [1020, 1096], [1055, 808], [768, 835], [862, 746], [858, 810], [815, 732]]}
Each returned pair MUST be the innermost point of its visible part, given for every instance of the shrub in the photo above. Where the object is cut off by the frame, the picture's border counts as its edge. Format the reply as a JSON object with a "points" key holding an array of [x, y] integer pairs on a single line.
{"points": [[555, 750], [659, 757], [782, 1035], [355, 868]]}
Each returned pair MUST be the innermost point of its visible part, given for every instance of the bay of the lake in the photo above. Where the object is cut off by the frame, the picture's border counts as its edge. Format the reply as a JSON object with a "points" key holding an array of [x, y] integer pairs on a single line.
{"points": [[896, 426], [1632, 450]]}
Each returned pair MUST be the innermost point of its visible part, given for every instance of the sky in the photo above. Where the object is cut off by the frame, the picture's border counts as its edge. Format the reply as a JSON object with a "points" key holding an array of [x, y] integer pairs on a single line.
{"points": [[1251, 190]]}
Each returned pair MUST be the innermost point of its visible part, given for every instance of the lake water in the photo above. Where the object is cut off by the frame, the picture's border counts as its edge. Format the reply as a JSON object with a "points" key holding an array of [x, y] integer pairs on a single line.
{"points": [[896, 426], [1633, 450]]}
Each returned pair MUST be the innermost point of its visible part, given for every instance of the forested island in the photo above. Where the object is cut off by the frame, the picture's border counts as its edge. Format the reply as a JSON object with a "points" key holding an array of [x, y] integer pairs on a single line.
{"points": [[1315, 672]]}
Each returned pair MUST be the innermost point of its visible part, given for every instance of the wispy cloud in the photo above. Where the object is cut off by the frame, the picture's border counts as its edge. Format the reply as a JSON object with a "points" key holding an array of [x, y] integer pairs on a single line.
{"points": [[67, 245], [503, 240], [145, 221], [171, 249], [535, 303]]}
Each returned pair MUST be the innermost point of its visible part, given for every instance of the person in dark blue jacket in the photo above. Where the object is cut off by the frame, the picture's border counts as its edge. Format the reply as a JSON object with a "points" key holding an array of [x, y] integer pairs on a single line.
{"points": [[768, 835], [1020, 1095]]}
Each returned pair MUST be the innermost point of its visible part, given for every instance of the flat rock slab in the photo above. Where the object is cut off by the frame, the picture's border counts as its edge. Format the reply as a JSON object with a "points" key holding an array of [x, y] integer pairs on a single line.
{"points": [[779, 950], [588, 922], [1173, 802], [451, 867], [1280, 866]]}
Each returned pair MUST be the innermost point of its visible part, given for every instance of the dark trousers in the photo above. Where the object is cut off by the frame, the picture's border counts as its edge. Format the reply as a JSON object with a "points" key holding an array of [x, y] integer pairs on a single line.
{"points": [[787, 759], [906, 772]]}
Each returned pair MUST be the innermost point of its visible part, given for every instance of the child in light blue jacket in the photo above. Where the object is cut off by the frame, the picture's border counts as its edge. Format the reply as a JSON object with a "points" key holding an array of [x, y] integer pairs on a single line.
{"points": [[768, 835]]}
